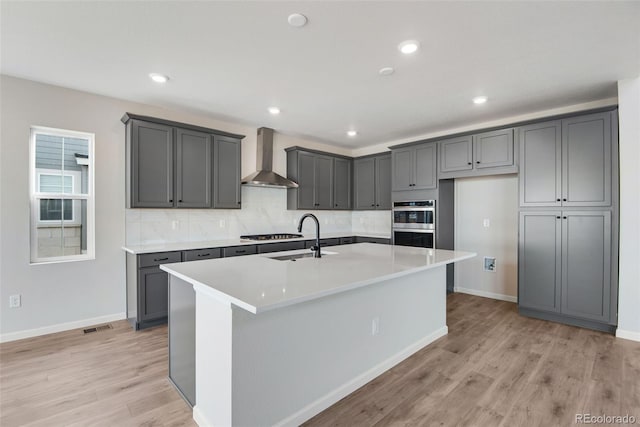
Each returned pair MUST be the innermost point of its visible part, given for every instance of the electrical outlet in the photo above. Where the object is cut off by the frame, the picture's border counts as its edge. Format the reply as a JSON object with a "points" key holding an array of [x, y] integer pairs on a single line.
{"points": [[375, 326], [174, 224], [490, 264], [223, 223], [15, 301], [486, 223]]}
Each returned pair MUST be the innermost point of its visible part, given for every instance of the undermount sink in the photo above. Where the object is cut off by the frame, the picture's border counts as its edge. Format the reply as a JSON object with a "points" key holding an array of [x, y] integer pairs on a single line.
{"points": [[294, 257]]}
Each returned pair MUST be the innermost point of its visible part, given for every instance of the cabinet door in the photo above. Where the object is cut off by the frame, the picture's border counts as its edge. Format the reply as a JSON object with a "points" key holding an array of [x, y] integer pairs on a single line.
{"points": [[151, 165], [493, 149], [193, 169], [586, 264], [402, 167], [364, 183], [539, 260], [226, 183], [306, 181], [540, 164], [342, 183], [383, 182], [425, 167], [153, 293], [586, 160], [323, 179], [456, 154]]}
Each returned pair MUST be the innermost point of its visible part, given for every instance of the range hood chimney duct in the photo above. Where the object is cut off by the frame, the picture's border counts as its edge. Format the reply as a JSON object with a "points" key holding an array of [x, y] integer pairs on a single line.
{"points": [[265, 176]]}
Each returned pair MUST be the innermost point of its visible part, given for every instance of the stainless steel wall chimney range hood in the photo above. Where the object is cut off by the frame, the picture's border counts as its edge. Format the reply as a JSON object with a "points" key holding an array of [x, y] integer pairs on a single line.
{"points": [[265, 176]]}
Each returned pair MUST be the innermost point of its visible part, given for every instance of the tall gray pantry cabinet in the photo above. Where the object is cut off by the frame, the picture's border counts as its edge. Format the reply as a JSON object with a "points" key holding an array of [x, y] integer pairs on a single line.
{"points": [[568, 240]]}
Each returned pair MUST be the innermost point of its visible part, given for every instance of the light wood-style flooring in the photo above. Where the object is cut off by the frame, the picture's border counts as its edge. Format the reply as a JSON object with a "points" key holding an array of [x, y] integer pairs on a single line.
{"points": [[494, 368]]}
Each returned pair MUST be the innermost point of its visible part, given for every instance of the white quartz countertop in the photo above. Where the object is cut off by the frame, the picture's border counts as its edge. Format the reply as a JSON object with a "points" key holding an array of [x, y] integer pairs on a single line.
{"points": [[185, 246], [258, 283]]}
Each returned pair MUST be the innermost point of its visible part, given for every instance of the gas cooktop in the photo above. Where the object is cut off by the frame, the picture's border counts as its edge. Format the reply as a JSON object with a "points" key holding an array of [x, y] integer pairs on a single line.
{"points": [[280, 236]]}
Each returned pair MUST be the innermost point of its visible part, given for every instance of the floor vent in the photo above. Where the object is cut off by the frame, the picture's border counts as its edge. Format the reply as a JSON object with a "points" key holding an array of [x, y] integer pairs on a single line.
{"points": [[98, 329]]}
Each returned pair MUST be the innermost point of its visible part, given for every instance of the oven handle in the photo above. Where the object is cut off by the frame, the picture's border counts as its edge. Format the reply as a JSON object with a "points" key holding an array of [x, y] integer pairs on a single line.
{"points": [[414, 209], [412, 230]]}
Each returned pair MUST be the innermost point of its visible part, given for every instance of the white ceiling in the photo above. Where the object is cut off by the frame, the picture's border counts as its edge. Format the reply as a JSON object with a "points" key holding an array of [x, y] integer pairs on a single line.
{"points": [[232, 60]]}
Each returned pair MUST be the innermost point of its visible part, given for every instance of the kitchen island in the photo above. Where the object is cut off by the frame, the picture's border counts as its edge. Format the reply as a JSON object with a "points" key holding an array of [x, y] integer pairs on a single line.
{"points": [[277, 340]]}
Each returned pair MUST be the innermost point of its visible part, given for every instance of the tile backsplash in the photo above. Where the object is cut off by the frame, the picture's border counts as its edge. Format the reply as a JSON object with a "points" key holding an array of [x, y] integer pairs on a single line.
{"points": [[264, 210]]}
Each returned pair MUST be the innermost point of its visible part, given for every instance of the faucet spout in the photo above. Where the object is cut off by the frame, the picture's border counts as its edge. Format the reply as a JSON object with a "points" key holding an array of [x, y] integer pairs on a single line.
{"points": [[316, 247]]}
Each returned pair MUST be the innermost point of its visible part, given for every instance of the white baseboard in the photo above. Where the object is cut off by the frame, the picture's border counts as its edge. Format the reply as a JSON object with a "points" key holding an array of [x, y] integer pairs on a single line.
{"points": [[60, 327], [332, 397], [200, 419], [485, 294], [628, 335]]}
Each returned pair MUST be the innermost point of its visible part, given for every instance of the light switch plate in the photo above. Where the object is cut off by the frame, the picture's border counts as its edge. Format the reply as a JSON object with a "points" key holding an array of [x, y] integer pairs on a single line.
{"points": [[486, 223]]}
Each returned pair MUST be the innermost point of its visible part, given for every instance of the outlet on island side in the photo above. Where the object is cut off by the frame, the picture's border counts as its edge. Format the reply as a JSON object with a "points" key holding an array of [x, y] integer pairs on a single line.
{"points": [[375, 326], [15, 301]]}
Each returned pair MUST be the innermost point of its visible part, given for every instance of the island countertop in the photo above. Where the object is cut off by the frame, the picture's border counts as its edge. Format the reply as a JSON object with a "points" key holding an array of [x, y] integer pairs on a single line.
{"points": [[258, 283]]}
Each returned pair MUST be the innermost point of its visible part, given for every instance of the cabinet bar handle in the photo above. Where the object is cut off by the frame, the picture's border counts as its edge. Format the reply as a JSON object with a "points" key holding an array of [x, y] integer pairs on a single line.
{"points": [[179, 201], [373, 204], [564, 200], [468, 163], [160, 259], [557, 217], [557, 200], [478, 161], [201, 255], [564, 217], [241, 252]]}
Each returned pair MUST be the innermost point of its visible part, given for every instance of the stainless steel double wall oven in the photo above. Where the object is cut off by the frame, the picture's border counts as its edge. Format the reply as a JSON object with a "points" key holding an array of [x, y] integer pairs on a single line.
{"points": [[414, 223]]}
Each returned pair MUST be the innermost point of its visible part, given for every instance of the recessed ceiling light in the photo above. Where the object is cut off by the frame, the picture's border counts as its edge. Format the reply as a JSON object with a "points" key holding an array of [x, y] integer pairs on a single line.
{"points": [[386, 71], [352, 133], [480, 99], [158, 78], [297, 20], [408, 46], [274, 110]]}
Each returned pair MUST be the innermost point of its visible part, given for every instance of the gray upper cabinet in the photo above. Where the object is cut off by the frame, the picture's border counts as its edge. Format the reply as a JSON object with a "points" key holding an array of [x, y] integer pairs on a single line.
{"points": [[150, 165], [493, 149], [586, 160], [171, 164], [540, 164], [486, 153], [586, 264], [456, 154], [364, 171], [414, 168], [372, 182], [226, 183], [342, 183], [539, 260], [324, 180], [383, 182], [567, 163], [193, 169]]}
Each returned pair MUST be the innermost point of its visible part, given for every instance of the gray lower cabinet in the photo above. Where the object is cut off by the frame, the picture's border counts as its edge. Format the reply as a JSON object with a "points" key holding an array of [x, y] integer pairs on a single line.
{"points": [[176, 165], [567, 162], [227, 156], [147, 288], [239, 250], [182, 338], [334, 241], [342, 183], [372, 182], [193, 169], [200, 254], [280, 246], [565, 266]]}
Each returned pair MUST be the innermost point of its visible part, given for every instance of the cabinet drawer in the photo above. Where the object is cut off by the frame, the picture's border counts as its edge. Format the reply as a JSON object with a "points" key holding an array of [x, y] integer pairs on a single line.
{"points": [[197, 254], [150, 260], [382, 241], [323, 242], [240, 250], [346, 240], [280, 246]]}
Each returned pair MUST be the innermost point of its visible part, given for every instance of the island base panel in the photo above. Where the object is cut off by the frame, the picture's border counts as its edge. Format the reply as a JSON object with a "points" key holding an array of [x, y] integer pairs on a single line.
{"points": [[283, 366]]}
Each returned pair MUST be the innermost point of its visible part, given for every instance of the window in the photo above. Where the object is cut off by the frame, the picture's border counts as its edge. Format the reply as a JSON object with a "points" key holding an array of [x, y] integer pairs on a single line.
{"points": [[62, 196]]}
